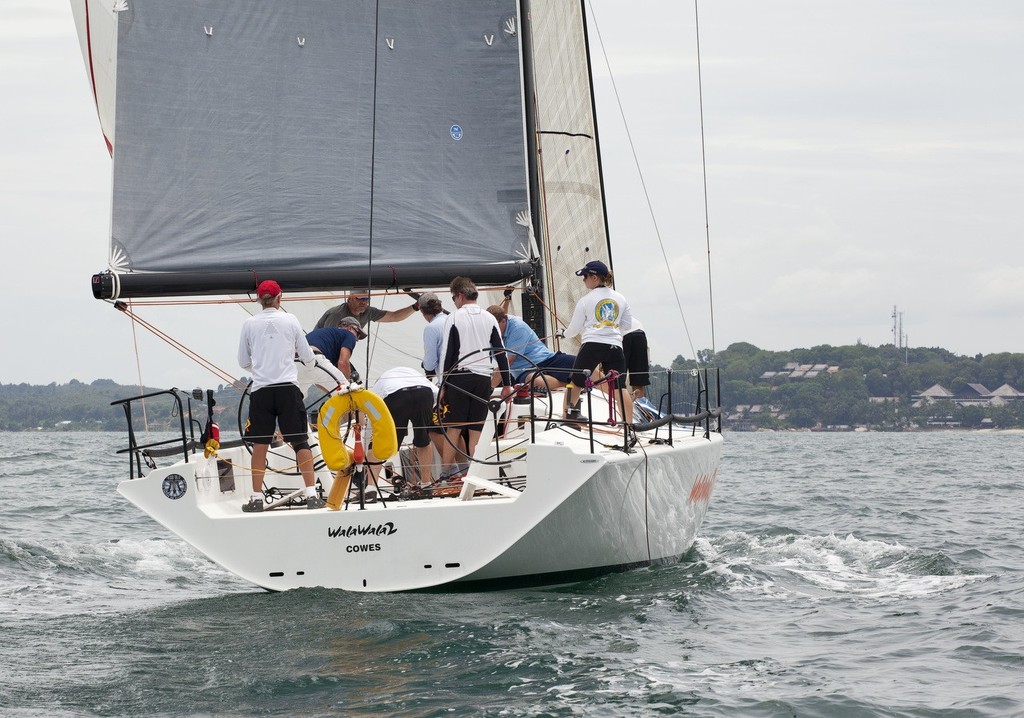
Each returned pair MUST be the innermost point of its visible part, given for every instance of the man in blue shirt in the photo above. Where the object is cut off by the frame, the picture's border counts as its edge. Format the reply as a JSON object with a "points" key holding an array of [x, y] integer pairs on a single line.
{"points": [[519, 338], [332, 348], [433, 333]]}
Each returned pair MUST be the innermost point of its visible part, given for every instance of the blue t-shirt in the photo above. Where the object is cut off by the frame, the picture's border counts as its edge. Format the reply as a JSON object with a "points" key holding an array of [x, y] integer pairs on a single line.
{"points": [[433, 335], [331, 340], [520, 338]]}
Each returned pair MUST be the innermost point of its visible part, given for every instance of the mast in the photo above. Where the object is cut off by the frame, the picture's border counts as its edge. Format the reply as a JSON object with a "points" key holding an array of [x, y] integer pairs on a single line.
{"points": [[533, 308]]}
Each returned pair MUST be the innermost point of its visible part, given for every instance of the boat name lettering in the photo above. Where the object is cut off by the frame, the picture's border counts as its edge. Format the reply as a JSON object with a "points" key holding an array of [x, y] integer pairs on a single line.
{"points": [[384, 529], [359, 548]]}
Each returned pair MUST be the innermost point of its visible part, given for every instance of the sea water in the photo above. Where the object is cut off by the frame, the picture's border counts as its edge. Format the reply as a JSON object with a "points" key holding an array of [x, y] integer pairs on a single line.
{"points": [[835, 575]]}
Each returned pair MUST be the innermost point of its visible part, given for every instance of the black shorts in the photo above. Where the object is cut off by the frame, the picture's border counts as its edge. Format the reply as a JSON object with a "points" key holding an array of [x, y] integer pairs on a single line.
{"points": [[466, 396], [593, 354], [638, 362], [414, 404], [273, 406]]}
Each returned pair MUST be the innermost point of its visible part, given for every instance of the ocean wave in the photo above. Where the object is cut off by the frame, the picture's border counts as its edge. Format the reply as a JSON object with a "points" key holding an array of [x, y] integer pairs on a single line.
{"points": [[59, 577], [782, 561]]}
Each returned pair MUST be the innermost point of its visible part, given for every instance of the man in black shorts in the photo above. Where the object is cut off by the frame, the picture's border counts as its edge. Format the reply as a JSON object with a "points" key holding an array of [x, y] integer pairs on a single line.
{"points": [[409, 397], [470, 347], [637, 358], [268, 346]]}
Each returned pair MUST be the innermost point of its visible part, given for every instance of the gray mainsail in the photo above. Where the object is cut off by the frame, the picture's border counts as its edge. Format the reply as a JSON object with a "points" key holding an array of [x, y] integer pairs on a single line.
{"points": [[327, 144]]}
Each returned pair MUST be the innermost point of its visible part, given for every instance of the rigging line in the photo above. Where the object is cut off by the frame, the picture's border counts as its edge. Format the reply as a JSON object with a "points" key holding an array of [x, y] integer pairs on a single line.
{"points": [[377, 338], [556, 319], [373, 337], [643, 183], [182, 302], [138, 371], [373, 175], [704, 173], [205, 363], [549, 257], [328, 296]]}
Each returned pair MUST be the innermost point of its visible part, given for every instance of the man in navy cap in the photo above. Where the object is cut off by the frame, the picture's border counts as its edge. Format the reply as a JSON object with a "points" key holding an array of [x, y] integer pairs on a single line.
{"points": [[602, 316], [331, 369]]}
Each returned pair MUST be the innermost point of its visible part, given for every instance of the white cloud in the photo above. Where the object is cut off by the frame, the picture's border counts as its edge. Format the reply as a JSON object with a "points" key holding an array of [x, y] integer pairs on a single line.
{"points": [[859, 156]]}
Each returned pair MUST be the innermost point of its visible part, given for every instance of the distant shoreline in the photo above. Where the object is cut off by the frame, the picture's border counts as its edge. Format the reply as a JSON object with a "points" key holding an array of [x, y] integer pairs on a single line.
{"points": [[934, 430]]}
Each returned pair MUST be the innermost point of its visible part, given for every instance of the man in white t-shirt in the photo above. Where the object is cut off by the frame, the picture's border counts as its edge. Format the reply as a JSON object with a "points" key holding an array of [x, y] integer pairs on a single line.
{"points": [[268, 346]]}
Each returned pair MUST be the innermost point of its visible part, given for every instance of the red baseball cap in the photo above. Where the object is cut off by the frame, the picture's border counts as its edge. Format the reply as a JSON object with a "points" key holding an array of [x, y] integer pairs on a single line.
{"points": [[268, 288]]}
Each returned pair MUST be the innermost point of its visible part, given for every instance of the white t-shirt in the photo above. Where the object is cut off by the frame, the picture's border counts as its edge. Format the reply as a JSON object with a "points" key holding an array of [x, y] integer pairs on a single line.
{"points": [[471, 330], [401, 377], [268, 346], [602, 315]]}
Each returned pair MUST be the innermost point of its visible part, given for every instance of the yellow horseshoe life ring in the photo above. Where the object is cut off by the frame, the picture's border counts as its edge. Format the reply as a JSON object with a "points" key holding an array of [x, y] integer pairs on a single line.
{"points": [[332, 448]]}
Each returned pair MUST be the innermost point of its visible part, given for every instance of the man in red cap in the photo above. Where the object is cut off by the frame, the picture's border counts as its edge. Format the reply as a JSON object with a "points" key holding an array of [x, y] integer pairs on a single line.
{"points": [[269, 344]]}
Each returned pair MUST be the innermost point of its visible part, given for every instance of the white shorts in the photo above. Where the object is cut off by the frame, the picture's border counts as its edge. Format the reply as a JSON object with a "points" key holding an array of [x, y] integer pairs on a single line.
{"points": [[320, 373]]}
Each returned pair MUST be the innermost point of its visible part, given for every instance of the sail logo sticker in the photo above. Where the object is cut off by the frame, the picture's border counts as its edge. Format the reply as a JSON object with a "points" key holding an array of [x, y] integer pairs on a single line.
{"points": [[607, 313], [456, 132]]}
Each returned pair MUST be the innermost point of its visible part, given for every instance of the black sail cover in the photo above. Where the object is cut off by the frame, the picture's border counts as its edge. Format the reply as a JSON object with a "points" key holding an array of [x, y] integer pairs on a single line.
{"points": [[325, 143]]}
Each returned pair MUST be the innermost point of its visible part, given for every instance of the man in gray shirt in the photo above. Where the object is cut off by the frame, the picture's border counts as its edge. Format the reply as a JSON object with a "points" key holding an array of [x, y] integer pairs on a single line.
{"points": [[358, 305]]}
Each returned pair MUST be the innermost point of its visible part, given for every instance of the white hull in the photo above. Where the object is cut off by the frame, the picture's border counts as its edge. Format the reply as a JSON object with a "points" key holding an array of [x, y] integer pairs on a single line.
{"points": [[579, 512]]}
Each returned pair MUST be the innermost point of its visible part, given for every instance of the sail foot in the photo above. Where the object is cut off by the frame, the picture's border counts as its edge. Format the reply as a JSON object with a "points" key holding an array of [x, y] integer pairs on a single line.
{"points": [[108, 285]]}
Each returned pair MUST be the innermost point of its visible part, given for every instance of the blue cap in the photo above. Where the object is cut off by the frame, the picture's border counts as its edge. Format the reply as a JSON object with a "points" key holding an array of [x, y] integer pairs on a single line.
{"points": [[594, 267]]}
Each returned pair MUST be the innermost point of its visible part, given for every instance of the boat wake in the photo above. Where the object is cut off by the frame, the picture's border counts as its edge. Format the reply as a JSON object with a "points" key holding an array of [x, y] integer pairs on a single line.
{"points": [[829, 566], [65, 577]]}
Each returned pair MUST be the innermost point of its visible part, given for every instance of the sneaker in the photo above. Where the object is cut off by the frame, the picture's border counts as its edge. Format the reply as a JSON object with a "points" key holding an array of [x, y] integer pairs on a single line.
{"points": [[313, 502], [417, 491], [574, 419], [369, 495], [253, 507]]}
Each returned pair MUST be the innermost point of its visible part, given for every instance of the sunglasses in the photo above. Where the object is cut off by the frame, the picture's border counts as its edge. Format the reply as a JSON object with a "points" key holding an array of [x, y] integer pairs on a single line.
{"points": [[362, 299]]}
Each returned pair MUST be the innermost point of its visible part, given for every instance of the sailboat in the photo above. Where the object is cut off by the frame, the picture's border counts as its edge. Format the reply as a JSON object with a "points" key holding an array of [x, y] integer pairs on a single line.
{"points": [[382, 144]]}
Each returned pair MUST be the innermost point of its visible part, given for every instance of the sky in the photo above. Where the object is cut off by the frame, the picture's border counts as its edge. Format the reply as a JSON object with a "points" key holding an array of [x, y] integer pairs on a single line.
{"points": [[859, 156]]}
